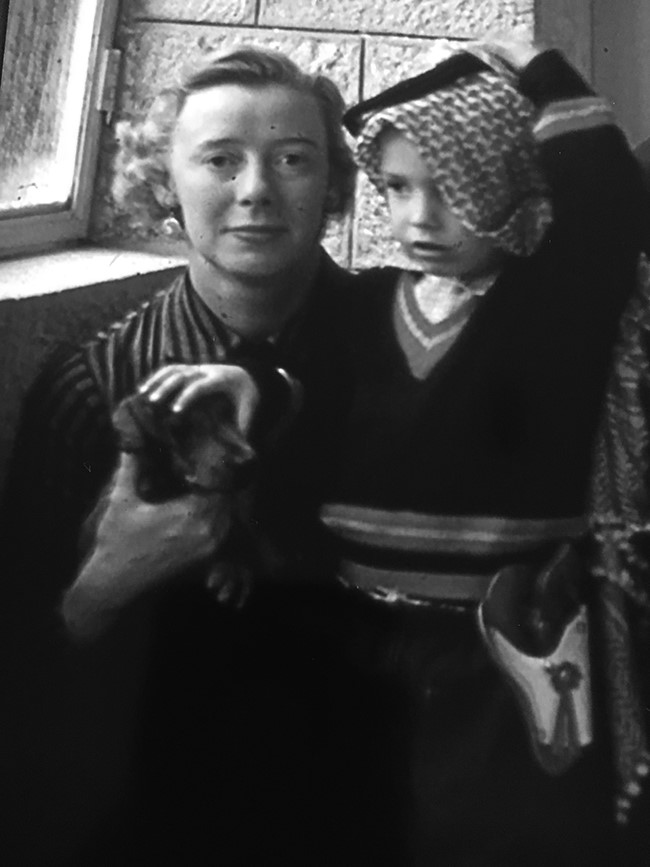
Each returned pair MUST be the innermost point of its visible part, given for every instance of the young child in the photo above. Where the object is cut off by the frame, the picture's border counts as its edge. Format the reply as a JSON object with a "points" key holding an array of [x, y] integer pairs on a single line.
{"points": [[463, 483]]}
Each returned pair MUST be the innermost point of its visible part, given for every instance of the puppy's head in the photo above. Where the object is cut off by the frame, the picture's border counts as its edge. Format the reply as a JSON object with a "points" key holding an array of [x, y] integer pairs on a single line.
{"points": [[201, 448], [210, 450]]}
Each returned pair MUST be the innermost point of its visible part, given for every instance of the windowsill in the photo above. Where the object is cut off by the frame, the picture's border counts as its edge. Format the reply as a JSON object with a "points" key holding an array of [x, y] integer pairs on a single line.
{"points": [[56, 271]]}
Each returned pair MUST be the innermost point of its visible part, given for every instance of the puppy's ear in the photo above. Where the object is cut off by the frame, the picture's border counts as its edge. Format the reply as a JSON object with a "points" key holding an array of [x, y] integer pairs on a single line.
{"points": [[141, 432]]}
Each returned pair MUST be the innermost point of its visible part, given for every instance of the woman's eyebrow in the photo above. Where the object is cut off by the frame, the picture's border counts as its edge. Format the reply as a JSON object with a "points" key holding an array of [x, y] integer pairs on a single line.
{"points": [[212, 143]]}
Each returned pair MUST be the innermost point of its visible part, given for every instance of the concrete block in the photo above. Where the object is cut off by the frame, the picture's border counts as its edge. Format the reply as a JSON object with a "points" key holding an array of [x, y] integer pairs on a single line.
{"points": [[338, 241], [214, 11], [155, 56], [426, 17], [372, 243], [392, 59], [569, 25]]}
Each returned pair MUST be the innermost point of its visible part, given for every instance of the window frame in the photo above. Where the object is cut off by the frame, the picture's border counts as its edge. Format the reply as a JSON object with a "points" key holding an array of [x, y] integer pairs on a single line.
{"points": [[4, 17], [32, 232]]}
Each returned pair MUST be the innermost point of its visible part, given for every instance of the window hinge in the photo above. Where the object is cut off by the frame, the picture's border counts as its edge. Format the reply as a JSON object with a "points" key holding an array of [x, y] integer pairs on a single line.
{"points": [[108, 75]]}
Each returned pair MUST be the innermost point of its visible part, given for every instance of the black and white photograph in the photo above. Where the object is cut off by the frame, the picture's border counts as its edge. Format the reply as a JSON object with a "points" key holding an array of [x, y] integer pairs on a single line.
{"points": [[325, 433]]}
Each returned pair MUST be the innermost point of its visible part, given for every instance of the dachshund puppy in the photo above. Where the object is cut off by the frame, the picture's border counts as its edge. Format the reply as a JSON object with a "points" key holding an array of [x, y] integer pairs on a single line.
{"points": [[200, 449]]}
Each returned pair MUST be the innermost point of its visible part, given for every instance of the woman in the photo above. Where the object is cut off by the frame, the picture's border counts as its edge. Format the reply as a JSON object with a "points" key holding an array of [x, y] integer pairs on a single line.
{"points": [[248, 154]]}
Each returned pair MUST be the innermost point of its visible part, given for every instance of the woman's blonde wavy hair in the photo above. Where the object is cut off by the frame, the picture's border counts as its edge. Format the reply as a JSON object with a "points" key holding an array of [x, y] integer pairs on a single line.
{"points": [[142, 184]]}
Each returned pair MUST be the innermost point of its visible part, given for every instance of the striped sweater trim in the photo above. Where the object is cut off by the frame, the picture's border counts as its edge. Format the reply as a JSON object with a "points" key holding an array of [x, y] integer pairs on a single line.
{"points": [[424, 343], [420, 359], [446, 534], [174, 326], [431, 334], [82, 391], [573, 115]]}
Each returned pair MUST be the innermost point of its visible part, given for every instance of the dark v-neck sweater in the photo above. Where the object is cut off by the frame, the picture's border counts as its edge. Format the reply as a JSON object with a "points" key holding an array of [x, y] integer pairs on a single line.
{"points": [[504, 423]]}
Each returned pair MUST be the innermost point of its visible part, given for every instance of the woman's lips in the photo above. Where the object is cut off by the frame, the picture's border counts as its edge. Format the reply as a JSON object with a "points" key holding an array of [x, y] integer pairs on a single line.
{"points": [[256, 234], [429, 247], [424, 249], [256, 227]]}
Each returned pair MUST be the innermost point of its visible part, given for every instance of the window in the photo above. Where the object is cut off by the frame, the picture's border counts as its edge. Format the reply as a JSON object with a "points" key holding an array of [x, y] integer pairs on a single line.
{"points": [[55, 67]]}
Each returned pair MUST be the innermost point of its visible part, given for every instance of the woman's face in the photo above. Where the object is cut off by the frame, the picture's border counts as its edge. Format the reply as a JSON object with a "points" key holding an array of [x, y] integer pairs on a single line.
{"points": [[430, 234], [250, 169]]}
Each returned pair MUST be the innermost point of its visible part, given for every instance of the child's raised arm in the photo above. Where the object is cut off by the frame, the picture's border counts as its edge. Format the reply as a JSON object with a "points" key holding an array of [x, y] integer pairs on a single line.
{"points": [[594, 178]]}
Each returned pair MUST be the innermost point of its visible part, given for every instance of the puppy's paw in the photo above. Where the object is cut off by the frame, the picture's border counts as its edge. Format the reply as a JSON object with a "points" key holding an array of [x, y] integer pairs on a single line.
{"points": [[229, 583]]}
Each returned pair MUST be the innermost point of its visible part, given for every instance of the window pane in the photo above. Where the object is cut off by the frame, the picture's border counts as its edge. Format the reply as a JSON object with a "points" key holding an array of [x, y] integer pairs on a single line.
{"points": [[44, 82]]}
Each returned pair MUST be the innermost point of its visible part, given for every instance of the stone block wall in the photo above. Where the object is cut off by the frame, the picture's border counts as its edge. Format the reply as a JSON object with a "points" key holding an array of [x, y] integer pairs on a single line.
{"points": [[364, 45]]}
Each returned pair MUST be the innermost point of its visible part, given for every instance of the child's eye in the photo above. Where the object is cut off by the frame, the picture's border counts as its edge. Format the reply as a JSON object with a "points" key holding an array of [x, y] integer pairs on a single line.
{"points": [[291, 159]]}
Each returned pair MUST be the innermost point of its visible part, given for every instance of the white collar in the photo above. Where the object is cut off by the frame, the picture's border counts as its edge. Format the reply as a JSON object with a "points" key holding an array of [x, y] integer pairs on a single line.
{"points": [[439, 297]]}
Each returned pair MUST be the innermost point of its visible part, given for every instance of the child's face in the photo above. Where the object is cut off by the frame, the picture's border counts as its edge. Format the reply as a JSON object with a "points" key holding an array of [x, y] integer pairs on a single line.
{"points": [[432, 237]]}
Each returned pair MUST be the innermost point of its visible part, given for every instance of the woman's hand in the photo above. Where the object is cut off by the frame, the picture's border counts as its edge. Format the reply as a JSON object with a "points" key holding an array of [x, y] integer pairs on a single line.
{"points": [[139, 547], [183, 384]]}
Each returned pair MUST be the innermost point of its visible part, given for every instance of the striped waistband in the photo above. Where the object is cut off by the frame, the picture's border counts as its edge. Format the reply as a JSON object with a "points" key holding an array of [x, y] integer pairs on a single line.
{"points": [[413, 532], [414, 588]]}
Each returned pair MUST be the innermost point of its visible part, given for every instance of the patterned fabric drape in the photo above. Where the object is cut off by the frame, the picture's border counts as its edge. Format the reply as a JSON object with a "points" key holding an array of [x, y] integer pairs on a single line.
{"points": [[620, 522]]}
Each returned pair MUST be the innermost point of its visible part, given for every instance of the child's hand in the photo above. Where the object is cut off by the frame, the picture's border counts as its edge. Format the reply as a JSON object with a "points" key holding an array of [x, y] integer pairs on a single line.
{"points": [[186, 383]]}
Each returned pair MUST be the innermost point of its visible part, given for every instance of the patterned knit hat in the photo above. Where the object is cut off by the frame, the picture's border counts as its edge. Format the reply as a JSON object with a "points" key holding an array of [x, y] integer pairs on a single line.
{"points": [[473, 128]]}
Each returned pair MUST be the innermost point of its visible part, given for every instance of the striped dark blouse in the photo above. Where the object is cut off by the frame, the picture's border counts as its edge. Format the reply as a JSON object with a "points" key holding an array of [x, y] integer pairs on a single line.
{"points": [[66, 448]]}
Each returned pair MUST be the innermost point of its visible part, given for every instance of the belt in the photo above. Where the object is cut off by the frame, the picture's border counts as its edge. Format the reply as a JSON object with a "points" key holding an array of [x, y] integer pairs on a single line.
{"points": [[476, 535], [414, 588]]}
